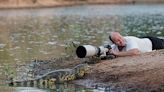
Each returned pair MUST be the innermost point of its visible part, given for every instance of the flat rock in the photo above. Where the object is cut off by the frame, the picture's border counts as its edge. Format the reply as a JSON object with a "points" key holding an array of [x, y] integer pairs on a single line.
{"points": [[141, 73]]}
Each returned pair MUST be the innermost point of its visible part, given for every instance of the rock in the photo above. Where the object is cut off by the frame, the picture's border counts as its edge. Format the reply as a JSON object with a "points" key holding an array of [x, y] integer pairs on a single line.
{"points": [[142, 73]]}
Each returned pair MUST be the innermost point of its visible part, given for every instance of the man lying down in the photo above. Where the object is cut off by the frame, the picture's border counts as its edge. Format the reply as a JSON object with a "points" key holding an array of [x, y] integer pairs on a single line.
{"points": [[131, 45]]}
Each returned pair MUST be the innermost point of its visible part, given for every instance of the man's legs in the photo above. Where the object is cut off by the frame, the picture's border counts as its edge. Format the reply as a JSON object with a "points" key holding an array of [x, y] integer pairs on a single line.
{"points": [[162, 43], [157, 43]]}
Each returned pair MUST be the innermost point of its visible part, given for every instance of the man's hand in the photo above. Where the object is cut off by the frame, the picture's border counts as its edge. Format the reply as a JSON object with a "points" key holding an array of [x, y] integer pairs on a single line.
{"points": [[131, 52]]}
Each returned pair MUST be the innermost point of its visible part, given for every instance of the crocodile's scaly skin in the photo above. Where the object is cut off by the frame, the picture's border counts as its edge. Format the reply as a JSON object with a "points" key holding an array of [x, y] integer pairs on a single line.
{"points": [[56, 76]]}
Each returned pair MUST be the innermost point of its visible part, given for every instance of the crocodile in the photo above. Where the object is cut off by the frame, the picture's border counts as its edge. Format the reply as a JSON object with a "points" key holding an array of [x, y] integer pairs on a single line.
{"points": [[53, 77], [80, 70]]}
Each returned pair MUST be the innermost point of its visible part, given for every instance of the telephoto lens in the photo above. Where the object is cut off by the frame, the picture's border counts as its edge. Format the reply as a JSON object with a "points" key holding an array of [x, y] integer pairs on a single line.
{"points": [[89, 51], [86, 51]]}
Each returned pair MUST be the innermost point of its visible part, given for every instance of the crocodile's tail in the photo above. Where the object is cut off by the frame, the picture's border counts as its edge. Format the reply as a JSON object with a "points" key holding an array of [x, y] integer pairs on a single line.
{"points": [[33, 83], [24, 83]]}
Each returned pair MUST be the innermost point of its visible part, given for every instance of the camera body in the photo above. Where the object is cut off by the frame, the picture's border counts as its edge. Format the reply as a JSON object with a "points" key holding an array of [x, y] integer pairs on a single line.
{"points": [[90, 50]]}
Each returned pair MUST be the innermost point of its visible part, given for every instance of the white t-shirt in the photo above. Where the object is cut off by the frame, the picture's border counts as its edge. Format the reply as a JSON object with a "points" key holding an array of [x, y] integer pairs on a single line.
{"points": [[143, 44]]}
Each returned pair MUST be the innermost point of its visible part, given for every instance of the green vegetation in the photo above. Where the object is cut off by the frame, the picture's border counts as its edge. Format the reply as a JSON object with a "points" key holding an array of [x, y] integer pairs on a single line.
{"points": [[9, 71], [31, 38], [70, 49], [143, 25]]}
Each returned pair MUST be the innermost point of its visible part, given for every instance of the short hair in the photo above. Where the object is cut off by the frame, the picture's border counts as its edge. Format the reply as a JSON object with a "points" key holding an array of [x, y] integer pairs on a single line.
{"points": [[110, 36]]}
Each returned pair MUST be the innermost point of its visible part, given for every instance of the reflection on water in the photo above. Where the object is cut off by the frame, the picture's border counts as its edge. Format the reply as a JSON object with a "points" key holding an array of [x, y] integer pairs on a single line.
{"points": [[7, 89], [55, 88], [46, 33], [28, 89]]}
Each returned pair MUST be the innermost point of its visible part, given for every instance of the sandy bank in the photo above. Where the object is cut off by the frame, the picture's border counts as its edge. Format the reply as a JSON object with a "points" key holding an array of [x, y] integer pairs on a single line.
{"points": [[8, 4], [142, 73]]}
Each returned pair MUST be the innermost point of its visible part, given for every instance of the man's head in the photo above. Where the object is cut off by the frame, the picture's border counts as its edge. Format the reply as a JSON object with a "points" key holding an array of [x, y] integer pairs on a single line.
{"points": [[117, 38]]}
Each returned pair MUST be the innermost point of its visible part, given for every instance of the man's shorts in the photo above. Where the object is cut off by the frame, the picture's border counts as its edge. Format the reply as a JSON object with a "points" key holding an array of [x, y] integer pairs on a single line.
{"points": [[157, 43]]}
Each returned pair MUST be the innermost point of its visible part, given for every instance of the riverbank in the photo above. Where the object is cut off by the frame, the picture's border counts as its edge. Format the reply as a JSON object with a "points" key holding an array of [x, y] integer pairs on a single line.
{"points": [[142, 73], [10, 4]]}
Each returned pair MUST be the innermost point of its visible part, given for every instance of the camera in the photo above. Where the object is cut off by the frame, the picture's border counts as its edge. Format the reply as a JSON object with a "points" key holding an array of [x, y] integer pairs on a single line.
{"points": [[90, 50]]}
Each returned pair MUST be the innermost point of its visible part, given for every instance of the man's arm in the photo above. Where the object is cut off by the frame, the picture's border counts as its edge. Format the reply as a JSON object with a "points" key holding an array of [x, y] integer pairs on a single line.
{"points": [[126, 53]]}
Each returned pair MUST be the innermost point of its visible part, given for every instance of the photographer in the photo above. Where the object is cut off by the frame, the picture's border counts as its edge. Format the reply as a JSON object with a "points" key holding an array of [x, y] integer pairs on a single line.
{"points": [[130, 45]]}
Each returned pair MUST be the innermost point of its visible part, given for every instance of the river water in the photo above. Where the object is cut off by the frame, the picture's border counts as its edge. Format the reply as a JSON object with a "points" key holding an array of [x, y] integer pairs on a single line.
{"points": [[28, 34]]}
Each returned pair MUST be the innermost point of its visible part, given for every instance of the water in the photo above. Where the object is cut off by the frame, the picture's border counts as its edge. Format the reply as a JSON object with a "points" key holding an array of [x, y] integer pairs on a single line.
{"points": [[27, 34], [57, 88], [89, 10]]}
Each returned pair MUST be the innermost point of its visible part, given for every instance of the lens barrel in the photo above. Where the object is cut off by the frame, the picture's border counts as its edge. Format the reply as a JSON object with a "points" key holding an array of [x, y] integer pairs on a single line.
{"points": [[86, 51], [81, 52]]}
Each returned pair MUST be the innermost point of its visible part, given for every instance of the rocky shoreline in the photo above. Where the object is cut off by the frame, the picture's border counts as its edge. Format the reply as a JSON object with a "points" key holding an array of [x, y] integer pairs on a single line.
{"points": [[142, 73]]}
